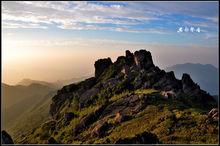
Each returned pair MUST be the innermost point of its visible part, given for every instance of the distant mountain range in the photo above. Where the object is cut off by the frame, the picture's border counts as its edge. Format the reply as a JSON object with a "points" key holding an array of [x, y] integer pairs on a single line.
{"points": [[18, 100], [205, 75], [57, 84]]}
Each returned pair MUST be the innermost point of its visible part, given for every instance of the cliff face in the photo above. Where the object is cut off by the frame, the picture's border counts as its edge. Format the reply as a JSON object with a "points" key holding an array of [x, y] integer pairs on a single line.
{"points": [[130, 93]]}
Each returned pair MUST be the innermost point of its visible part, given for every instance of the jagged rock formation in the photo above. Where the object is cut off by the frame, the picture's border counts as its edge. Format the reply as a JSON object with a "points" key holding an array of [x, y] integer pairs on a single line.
{"points": [[143, 59], [139, 68], [6, 138], [96, 108], [101, 65]]}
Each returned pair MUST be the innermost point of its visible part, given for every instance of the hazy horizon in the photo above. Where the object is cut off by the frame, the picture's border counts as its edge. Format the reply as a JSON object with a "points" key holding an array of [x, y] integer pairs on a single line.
{"points": [[52, 41]]}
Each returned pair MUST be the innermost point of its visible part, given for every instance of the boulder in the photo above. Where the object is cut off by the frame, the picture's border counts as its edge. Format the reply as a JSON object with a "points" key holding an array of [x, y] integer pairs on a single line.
{"points": [[6, 138], [101, 65]]}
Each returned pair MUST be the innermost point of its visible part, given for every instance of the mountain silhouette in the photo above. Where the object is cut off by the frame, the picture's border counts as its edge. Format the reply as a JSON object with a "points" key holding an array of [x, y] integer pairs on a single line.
{"points": [[206, 76]]}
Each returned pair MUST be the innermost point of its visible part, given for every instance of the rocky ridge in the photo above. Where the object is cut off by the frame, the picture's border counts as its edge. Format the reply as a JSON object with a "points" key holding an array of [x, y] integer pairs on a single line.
{"points": [[95, 108], [137, 68]]}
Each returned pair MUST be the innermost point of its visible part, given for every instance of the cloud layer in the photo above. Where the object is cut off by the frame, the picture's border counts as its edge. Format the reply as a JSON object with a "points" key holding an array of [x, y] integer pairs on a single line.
{"points": [[113, 16]]}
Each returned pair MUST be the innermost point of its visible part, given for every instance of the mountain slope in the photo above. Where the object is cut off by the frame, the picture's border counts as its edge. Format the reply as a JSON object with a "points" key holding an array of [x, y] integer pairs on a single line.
{"points": [[205, 75], [32, 117], [11, 95], [16, 100], [129, 101]]}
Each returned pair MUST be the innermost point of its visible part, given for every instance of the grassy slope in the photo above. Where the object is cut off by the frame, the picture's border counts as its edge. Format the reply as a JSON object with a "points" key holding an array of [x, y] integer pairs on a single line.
{"points": [[31, 118], [170, 120]]}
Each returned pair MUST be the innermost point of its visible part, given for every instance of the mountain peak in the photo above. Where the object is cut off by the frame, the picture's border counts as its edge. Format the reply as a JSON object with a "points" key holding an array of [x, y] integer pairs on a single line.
{"points": [[134, 71], [143, 59], [130, 89]]}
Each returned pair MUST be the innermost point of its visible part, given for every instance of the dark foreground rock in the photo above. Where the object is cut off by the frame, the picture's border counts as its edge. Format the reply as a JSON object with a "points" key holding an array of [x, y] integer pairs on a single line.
{"points": [[6, 138], [51, 140], [143, 138]]}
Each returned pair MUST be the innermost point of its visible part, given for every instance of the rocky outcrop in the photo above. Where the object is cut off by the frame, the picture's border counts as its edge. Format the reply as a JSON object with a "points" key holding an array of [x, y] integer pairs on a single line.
{"points": [[101, 65], [213, 114], [68, 92], [88, 120], [129, 58], [6, 138], [143, 59], [128, 104], [140, 72], [188, 85], [100, 129], [168, 82], [192, 89], [127, 74], [143, 138]]}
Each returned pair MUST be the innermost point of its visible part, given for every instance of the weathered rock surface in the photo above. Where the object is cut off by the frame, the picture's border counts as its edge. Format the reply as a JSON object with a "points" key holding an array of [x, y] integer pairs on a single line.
{"points": [[88, 120], [213, 113], [100, 129], [188, 85], [68, 92]]}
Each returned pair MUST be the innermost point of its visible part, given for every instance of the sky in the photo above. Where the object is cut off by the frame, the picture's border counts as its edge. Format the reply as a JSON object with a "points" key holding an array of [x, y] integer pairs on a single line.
{"points": [[49, 41]]}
